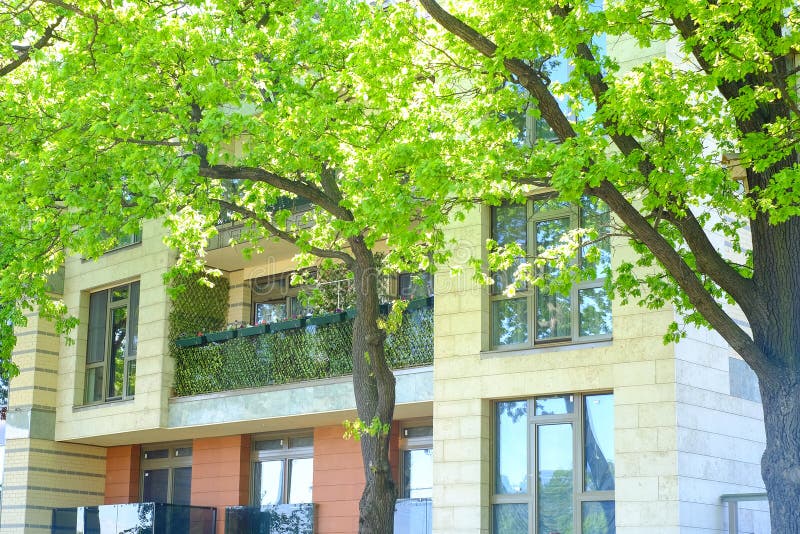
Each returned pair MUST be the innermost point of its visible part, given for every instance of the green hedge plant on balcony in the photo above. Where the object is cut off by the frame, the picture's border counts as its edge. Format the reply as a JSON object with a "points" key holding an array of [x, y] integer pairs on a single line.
{"points": [[309, 352]]}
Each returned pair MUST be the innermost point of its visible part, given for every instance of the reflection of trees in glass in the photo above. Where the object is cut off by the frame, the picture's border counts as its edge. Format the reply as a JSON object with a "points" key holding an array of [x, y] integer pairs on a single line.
{"points": [[595, 214], [510, 321], [511, 473], [598, 517], [595, 312], [553, 316], [555, 503], [510, 518]]}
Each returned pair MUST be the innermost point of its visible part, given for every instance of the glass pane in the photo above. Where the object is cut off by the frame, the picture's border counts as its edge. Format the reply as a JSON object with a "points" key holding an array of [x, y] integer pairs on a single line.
{"points": [[595, 312], [96, 336], [510, 224], [418, 474], [598, 431], [511, 463], [304, 441], [553, 316], [595, 214], [182, 485], [510, 321], [156, 454], [131, 385], [156, 484], [548, 233], [119, 293], [505, 278], [550, 204], [271, 312], [554, 456], [598, 517], [301, 480], [269, 482], [510, 519], [182, 452], [415, 285], [117, 340], [94, 384], [555, 405], [269, 445]]}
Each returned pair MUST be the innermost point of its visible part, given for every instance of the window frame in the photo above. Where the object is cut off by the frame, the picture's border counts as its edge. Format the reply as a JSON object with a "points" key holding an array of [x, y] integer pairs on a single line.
{"points": [[283, 293], [130, 350], [575, 213], [285, 454], [172, 462], [580, 494], [412, 443]]}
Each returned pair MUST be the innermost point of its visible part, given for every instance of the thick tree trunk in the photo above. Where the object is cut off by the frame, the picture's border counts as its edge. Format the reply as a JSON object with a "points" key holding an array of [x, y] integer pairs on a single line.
{"points": [[374, 386], [780, 465]]}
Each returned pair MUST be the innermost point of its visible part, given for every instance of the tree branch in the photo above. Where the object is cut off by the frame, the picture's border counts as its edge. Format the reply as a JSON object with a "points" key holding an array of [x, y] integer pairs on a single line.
{"points": [[24, 55], [256, 174], [282, 234]]}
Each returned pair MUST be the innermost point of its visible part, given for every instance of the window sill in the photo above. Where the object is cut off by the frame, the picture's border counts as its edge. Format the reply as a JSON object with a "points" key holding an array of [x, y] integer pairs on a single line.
{"points": [[542, 349], [115, 402]]}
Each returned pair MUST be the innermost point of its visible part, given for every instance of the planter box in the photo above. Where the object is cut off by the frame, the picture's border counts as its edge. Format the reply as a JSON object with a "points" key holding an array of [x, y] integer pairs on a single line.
{"points": [[253, 330], [193, 341], [221, 336], [329, 318], [288, 325], [350, 313]]}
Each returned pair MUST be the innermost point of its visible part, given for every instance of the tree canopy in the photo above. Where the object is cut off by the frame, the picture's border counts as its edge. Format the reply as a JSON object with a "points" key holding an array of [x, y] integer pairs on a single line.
{"points": [[681, 117]]}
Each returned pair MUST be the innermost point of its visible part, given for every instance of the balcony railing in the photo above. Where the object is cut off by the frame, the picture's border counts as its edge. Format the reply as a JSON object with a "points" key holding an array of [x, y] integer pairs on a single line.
{"points": [[413, 515], [135, 518], [294, 351], [277, 519]]}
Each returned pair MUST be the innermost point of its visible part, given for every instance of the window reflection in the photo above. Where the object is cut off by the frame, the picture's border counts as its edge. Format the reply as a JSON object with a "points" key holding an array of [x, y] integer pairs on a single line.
{"points": [[554, 458], [511, 473], [599, 442]]}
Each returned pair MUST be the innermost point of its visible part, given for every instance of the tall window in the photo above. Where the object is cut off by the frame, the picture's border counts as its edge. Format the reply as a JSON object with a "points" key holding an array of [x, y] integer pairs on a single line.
{"points": [[111, 344], [167, 474], [416, 444], [554, 465], [283, 470], [537, 315]]}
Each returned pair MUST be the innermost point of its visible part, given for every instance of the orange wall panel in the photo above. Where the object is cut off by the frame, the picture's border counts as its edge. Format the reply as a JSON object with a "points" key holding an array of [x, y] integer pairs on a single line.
{"points": [[221, 473], [122, 474]]}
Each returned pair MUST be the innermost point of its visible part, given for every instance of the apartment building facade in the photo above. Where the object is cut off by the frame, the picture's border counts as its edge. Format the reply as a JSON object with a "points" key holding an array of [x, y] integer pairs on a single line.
{"points": [[531, 413]]}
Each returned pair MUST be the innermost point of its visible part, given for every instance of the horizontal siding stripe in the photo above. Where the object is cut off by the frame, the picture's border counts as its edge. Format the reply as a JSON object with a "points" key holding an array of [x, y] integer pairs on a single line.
{"points": [[53, 471], [38, 333], [36, 351], [51, 490], [57, 453]]}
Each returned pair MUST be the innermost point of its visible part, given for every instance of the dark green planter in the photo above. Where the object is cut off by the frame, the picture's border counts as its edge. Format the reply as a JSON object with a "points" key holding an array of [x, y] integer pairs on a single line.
{"points": [[225, 335], [329, 318], [350, 313], [252, 330], [288, 325], [193, 341]]}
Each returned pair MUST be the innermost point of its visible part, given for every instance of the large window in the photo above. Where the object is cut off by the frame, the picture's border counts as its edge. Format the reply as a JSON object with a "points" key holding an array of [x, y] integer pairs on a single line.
{"points": [[539, 315], [167, 474], [283, 470], [416, 445], [554, 465], [111, 344]]}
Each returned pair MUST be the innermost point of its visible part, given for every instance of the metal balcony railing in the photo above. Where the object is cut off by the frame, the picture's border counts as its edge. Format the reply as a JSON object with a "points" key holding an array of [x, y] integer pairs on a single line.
{"points": [[735, 525], [293, 351]]}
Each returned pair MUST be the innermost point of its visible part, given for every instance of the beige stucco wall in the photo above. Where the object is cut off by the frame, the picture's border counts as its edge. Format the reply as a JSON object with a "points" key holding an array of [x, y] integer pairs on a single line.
{"points": [[636, 365]]}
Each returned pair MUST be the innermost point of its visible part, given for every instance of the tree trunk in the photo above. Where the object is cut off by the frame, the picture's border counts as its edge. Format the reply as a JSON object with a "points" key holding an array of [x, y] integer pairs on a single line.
{"points": [[374, 387], [780, 465]]}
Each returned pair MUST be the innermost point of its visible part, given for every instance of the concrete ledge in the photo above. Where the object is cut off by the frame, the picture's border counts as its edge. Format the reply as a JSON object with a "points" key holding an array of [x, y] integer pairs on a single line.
{"points": [[288, 400]]}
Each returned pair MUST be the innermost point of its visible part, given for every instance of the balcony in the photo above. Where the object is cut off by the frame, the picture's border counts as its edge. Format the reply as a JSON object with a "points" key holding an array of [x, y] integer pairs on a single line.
{"points": [[136, 518], [294, 351]]}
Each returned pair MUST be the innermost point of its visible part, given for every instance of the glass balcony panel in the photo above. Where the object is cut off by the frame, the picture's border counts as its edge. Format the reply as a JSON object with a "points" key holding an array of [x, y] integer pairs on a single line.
{"points": [[413, 515]]}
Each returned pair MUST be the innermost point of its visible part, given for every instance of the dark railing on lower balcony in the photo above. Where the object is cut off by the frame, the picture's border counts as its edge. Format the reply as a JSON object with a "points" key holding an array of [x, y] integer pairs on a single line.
{"points": [[276, 519], [306, 349], [413, 516], [135, 518]]}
